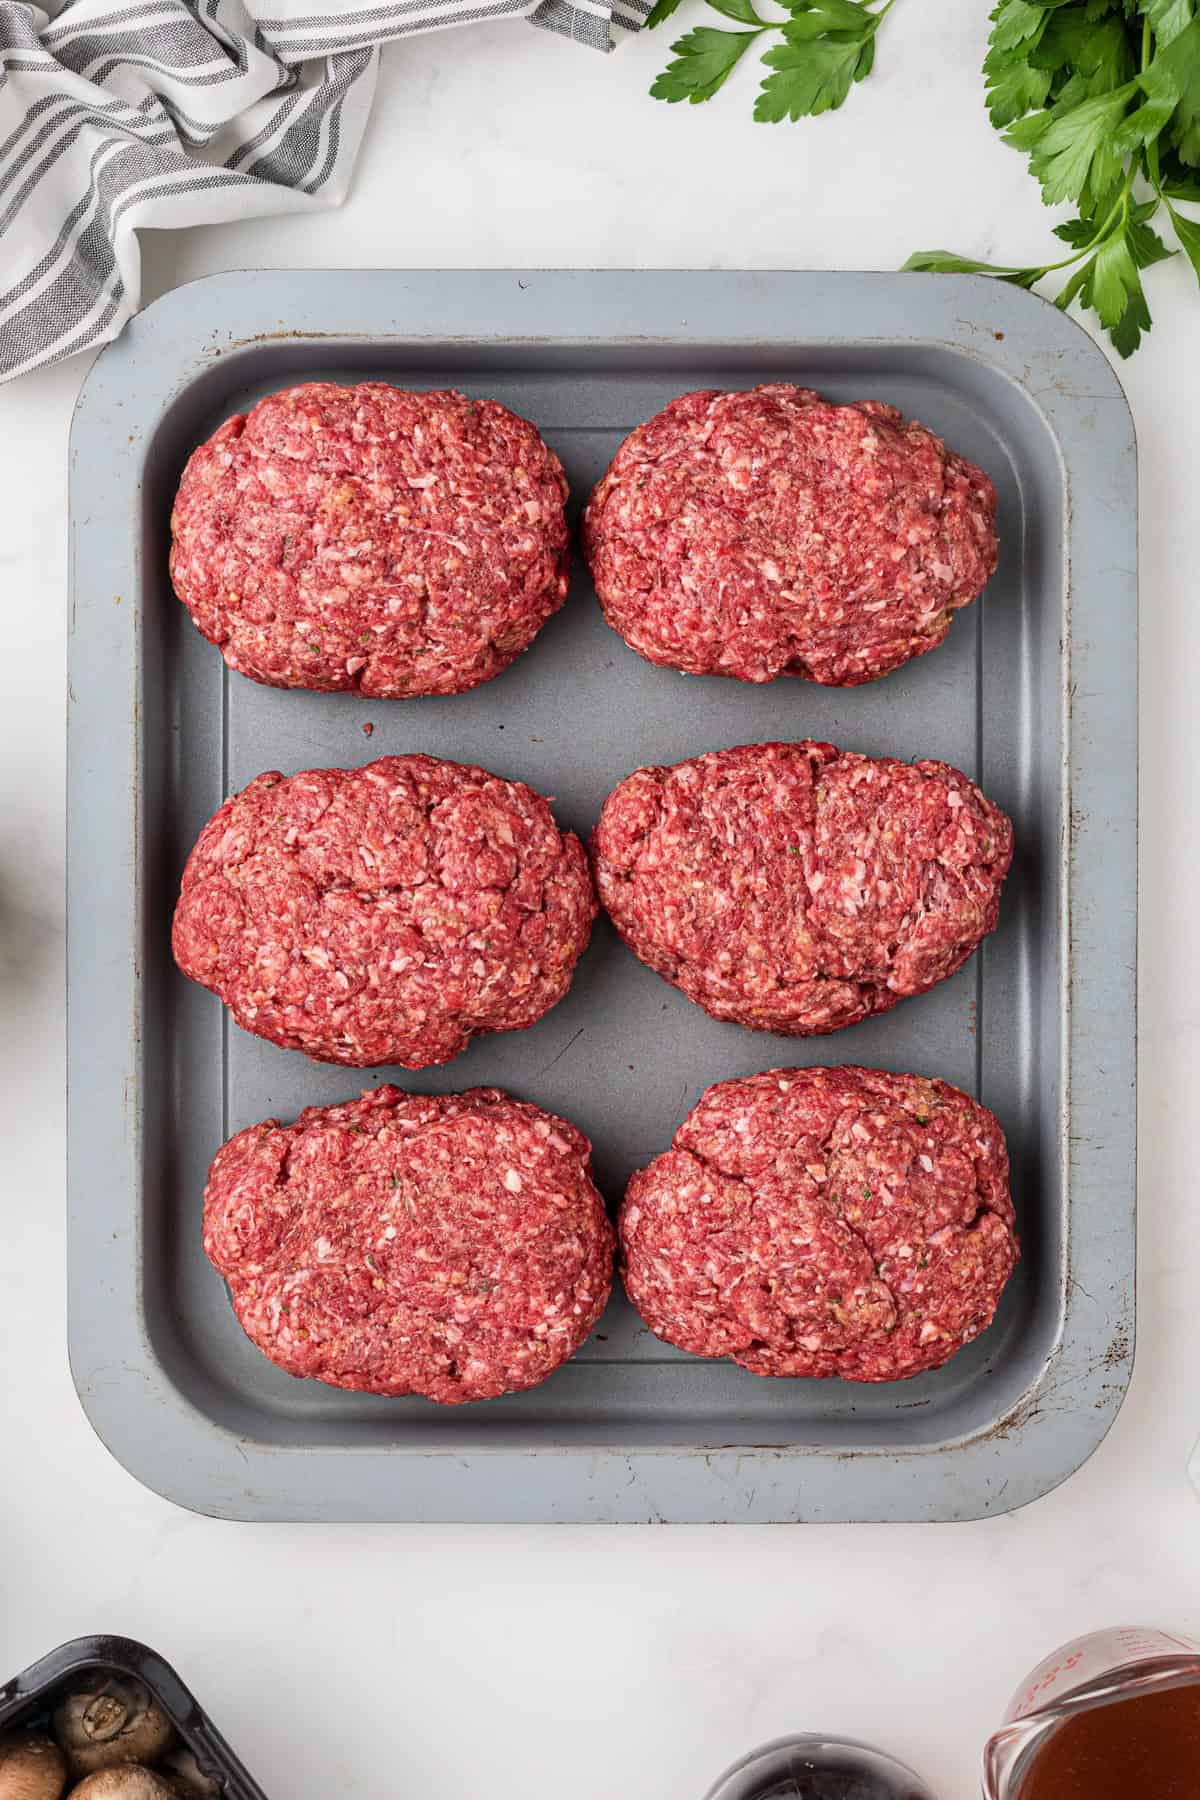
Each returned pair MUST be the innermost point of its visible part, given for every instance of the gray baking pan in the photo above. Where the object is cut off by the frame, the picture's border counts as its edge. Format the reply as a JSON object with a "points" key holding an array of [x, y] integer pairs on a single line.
{"points": [[1033, 695]]}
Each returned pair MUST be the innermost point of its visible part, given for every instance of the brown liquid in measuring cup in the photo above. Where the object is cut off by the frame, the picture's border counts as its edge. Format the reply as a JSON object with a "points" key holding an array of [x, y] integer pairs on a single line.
{"points": [[1146, 1748]]}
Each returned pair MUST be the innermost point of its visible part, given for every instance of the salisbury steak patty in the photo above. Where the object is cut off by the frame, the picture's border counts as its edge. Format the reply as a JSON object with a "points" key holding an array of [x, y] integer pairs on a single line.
{"points": [[824, 1222], [386, 914], [453, 1246], [372, 539], [773, 533], [797, 888]]}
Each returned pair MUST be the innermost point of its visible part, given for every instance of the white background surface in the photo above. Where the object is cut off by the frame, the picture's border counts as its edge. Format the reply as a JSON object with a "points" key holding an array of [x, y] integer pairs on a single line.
{"points": [[594, 1663]]}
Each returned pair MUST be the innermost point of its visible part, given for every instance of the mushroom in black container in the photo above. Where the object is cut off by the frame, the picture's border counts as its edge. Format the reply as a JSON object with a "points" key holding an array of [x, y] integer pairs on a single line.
{"points": [[112, 1720], [31, 1768], [125, 1781], [188, 1776]]}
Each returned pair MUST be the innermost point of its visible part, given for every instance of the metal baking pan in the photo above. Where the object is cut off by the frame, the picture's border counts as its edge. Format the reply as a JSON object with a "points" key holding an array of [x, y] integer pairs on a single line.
{"points": [[1033, 695], [27, 1701]]}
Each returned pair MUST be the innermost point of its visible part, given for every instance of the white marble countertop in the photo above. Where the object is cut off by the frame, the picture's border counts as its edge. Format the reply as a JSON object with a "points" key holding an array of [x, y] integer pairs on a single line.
{"points": [[602, 1662]]}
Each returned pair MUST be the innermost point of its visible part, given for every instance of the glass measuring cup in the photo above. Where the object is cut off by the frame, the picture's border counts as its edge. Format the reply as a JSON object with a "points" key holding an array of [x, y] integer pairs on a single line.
{"points": [[1099, 1670]]}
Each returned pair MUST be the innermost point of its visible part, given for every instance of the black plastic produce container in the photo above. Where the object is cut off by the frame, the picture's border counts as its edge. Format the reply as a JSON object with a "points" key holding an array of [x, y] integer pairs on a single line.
{"points": [[28, 1699]]}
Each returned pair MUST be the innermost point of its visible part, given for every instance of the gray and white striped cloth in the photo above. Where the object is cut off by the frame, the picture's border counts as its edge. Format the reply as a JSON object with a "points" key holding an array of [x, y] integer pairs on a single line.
{"points": [[116, 114]]}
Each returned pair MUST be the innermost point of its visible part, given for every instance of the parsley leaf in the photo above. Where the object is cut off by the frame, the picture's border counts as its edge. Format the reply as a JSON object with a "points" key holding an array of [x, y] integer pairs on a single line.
{"points": [[1077, 287], [1075, 231], [945, 262], [1017, 22], [1188, 232], [1168, 17], [704, 61], [1133, 324], [1174, 75], [1116, 285], [1082, 58], [1145, 245], [823, 47], [1103, 96], [1014, 87], [1075, 157], [812, 75], [816, 18], [742, 11]]}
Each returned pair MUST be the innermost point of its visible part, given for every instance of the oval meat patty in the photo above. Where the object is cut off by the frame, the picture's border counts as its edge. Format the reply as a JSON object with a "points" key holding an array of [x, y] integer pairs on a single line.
{"points": [[824, 1222], [797, 888], [773, 533], [386, 914], [448, 1245], [371, 539]]}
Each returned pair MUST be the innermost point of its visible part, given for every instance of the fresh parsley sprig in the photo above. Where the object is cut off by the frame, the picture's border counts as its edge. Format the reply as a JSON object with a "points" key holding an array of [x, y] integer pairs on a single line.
{"points": [[818, 52], [1103, 96]]}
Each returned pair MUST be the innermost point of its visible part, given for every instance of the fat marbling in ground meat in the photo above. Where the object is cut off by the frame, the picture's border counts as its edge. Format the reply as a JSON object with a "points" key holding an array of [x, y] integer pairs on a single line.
{"points": [[773, 533], [820, 1222], [450, 1245], [797, 888], [385, 914], [371, 539]]}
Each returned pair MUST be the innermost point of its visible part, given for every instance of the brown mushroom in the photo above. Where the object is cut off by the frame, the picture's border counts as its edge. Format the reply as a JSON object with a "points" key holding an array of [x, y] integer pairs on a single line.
{"points": [[114, 1719], [127, 1781], [31, 1768], [189, 1777]]}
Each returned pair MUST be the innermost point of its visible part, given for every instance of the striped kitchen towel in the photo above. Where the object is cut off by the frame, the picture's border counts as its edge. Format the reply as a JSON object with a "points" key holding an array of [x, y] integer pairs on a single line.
{"points": [[121, 113]]}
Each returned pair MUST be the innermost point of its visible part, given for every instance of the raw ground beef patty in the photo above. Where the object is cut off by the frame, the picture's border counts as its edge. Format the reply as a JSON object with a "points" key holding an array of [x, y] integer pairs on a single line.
{"points": [[824, 1222], [797, 888], [371, 539], [448, 1245], [385, 914], [773, 533]]}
